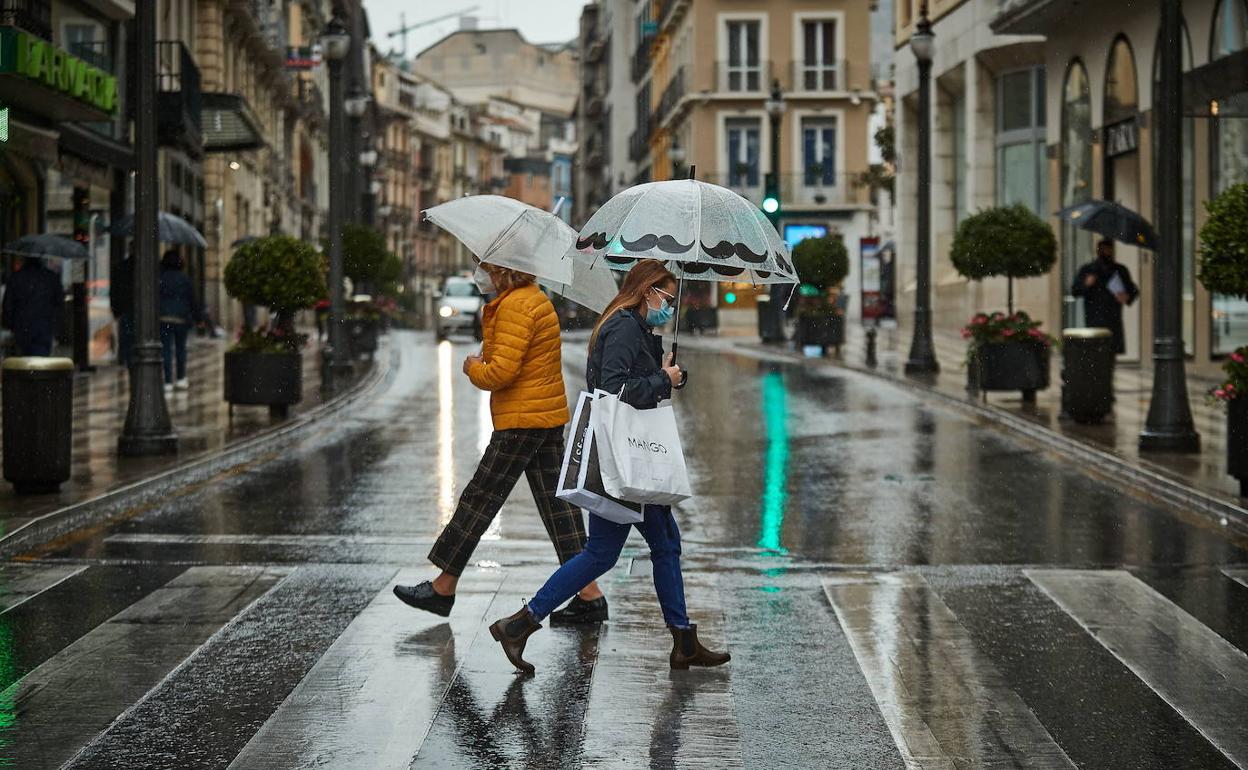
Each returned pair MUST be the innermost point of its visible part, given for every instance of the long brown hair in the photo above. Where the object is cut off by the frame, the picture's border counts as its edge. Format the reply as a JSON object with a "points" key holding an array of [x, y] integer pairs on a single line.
{"points": [[644, 276]]}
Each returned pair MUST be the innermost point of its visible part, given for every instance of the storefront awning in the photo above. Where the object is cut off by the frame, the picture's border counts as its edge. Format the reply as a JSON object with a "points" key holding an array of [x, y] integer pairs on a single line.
{"points": [[229, 125], [1218, 89]]}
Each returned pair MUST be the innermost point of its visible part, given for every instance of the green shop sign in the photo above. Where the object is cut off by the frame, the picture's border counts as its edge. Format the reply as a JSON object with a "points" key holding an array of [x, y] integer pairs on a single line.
{"points": [[27, 56]]}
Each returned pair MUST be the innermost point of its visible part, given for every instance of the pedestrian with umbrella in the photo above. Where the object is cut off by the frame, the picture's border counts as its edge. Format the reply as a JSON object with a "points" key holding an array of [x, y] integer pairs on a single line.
{"points": [[662, 233], [1105, 285], [34, 295], [520, 364]]}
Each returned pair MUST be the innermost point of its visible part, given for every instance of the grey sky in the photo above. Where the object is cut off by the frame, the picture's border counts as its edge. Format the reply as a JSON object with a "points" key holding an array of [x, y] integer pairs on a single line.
{"points": [[540, 21]]}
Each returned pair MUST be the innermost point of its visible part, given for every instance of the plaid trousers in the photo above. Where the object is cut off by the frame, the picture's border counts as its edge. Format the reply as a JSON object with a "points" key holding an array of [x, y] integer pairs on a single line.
{"points": [[538, 453]]}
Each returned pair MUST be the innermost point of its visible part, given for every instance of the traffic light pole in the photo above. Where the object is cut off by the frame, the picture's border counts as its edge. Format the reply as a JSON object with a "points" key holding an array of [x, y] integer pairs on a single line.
{"points": [[771, 316]]}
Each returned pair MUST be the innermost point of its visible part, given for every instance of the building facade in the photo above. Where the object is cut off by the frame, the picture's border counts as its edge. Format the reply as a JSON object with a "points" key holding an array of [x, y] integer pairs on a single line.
{"points": [[1100, 83]]}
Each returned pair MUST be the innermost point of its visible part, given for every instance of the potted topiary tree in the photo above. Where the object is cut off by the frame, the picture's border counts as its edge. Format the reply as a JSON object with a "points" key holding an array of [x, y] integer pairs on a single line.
{"points": [[374, 271], [285, 275], [1224, 270], [822, 264], [1007, 351]]}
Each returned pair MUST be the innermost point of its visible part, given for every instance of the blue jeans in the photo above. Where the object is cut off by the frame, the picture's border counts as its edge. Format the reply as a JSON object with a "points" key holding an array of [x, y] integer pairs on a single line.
{"points": [[173, 344], [602, 551]]}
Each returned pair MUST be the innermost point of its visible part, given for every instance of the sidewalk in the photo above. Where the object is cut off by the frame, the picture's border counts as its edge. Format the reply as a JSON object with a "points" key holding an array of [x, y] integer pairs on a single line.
{"points": [[1118, 435], [200, 417]]}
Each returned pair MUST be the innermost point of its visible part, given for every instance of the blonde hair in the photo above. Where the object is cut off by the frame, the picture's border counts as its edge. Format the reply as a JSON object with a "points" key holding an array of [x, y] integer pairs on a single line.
{"points": [[506, 279], [644, 276]]}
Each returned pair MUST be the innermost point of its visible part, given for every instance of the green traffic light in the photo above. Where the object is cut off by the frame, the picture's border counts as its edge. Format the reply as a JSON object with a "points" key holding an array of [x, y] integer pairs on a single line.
{"points": [[771, 205], [730, 298]]}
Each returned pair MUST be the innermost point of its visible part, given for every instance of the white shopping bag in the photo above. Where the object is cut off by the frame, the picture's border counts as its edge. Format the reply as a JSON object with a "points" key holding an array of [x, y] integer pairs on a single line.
{"points": [[580, 481], [639, 452]]}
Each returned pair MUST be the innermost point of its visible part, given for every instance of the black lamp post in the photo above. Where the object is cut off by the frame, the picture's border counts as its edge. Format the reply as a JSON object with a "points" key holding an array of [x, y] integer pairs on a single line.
{"points": [[922, 353], [1169, 427], [335, 43], [148, 429]]}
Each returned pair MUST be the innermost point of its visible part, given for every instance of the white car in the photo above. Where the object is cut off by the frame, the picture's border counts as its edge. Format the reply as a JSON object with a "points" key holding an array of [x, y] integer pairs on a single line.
{"points": [[457, 308]]}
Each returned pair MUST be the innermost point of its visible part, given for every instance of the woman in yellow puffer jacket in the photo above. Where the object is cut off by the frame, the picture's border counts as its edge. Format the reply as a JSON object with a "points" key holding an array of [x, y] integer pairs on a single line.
{"points": [[521, 366]]}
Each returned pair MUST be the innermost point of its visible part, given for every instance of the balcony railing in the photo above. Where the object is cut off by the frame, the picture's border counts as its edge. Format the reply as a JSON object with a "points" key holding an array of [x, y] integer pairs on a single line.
{"points": [[639, 143], [821, 77], [753, 79], [641, 59], [34, 16], [672, 95], [669, 13], [178, 97]]}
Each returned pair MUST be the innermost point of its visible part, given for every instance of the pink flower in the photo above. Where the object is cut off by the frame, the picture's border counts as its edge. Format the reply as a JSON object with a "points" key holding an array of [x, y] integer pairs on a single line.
{"points": [[1237, 357], [1008, 333], [1230, 387], [1220, 394], [966, 334]]}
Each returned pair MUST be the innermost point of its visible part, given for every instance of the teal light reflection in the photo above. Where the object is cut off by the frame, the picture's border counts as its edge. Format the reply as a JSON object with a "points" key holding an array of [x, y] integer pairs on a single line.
{"points": [[775, 474]]}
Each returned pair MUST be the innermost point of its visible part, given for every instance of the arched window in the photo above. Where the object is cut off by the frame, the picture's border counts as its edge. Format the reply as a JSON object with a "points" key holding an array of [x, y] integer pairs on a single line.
{"points": [[1229, 161], [1189, 191], [1122, 94], [1076, 178]]}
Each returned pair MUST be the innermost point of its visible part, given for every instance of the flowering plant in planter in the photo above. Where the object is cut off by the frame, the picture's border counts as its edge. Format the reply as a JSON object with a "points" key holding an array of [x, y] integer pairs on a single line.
{"points": [[999, 327], [1236, 384], [285, 275]]}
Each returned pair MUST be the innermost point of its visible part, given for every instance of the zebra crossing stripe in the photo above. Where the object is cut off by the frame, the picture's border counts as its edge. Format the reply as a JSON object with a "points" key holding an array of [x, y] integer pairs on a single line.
{"points": [[638, 707], [370, 699], [60, 706], [1200, 674], [1238, 575], [22, 582], [945, 703]]}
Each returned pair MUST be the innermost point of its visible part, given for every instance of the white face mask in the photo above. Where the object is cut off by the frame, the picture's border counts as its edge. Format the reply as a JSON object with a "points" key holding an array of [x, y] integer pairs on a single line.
{"points": [[483, 281]]}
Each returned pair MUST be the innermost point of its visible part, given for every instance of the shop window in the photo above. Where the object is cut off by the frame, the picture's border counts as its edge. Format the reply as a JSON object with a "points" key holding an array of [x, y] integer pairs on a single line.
{"points": [[1020, 139]]}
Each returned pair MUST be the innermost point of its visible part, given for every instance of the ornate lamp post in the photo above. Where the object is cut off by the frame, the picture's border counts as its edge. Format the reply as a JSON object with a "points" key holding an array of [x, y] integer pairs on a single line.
{"points": [[1169, 427], [922, 358], [335, 43], [148, 429]]}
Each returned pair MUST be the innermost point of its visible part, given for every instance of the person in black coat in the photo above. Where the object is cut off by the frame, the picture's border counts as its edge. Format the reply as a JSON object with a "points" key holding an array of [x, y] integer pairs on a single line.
{"points": [[179, 310], [32, 300], [626, 358], [1106, 287], [121, 302]]}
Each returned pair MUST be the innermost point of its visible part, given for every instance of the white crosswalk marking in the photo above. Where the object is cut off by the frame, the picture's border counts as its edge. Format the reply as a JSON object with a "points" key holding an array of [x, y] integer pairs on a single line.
{"points": [[1200, 674], [1238, 575], [21, 582], [946, 705], [74, 695], [368, 703]]}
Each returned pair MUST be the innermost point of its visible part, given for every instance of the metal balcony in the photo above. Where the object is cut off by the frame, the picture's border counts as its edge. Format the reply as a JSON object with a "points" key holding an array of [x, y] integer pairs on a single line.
{"points": [[179, 101], [641, 59], [672, 95], [745, 79]]}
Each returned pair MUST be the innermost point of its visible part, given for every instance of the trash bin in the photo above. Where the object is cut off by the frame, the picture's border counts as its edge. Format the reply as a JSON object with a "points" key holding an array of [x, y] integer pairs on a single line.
{"points": [[1087, 374], [38, 421]]}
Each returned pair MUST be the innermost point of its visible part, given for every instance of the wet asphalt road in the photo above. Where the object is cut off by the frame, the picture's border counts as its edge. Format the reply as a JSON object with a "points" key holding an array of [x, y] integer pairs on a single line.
{"points": [[899, 586]]}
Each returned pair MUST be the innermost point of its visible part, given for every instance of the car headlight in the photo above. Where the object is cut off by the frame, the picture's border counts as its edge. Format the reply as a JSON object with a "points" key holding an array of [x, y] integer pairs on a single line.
{"points": [[446, 311]]}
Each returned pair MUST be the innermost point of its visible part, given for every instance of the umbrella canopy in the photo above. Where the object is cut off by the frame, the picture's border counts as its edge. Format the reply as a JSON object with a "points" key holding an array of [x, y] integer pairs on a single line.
{"points": [[704, 231], [1112, 221], [506, 232], [173, 229], [46, 246]]}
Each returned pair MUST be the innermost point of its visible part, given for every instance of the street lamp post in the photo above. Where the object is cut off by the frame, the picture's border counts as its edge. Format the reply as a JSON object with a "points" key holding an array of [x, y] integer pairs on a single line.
{"points": [[922, 358], [1169, 425], [335, 42], [148, 429], [771, 319]]}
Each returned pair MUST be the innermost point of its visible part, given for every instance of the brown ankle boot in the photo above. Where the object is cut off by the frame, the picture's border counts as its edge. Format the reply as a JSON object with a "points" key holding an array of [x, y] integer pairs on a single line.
{"points": [[688, 651], [513, 632]]}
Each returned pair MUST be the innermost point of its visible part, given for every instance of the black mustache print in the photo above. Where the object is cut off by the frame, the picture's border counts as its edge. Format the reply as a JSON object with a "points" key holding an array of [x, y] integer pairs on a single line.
{"points": [[784, 265], [726, 250], [699, 268], [618, 260], [666, 243], [596, 240]]}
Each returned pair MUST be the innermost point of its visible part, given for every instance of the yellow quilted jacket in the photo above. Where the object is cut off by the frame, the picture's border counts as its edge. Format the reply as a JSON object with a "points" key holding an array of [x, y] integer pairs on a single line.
{"points": [[523, 366]]}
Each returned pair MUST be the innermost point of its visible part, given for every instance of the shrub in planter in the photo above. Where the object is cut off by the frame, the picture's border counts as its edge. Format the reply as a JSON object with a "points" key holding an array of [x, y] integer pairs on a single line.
{"points": [[1223, 268], [822, 264], [1007, 350], [285, 275]]}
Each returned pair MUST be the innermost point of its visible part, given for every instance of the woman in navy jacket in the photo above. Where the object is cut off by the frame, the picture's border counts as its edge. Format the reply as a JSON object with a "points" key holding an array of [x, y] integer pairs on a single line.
{"points": [[626, 357]]}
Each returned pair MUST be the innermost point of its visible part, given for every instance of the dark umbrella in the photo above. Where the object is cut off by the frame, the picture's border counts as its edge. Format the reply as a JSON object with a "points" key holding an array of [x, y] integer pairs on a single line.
{"points": [[1112, 221], [173, 229], [47, 246]]}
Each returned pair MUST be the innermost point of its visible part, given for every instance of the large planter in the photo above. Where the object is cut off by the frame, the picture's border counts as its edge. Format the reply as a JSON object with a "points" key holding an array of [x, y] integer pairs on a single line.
{"points": [[274, 380], [362, 336], [826, 330], [1237, 442], [1022, 366]]}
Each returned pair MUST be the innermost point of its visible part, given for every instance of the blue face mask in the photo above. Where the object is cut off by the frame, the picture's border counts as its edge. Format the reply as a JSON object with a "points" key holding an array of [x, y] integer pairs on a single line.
{"points": [[662, 315]]}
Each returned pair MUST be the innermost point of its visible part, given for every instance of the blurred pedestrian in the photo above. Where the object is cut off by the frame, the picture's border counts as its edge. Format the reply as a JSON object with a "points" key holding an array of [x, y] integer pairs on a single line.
{"points": [[32, 300], [179, 311], [322, 318], [521, 365], [625, 357], [121, 302], [1106, 288]]}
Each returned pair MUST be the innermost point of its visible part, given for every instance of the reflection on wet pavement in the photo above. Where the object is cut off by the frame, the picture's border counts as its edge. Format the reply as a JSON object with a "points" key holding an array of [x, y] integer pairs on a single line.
{"points": [[862, 554]]}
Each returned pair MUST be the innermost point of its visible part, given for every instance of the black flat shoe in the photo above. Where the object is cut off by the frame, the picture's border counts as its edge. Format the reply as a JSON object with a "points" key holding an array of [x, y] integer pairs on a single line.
{"points": [[579, 611], [423, 597]]}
